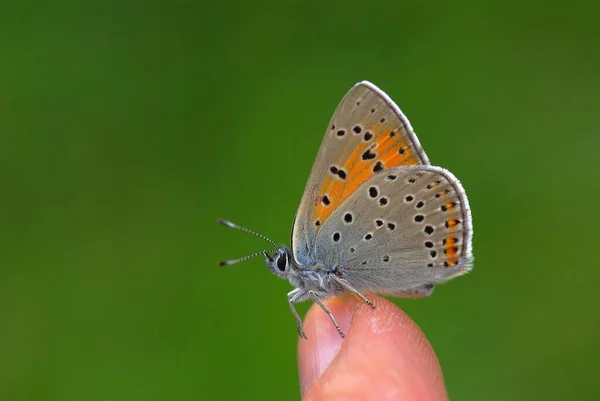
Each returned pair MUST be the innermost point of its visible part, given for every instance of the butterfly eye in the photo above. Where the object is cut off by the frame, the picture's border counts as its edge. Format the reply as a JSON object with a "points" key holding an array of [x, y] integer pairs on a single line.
{"points": [[282, 262]]}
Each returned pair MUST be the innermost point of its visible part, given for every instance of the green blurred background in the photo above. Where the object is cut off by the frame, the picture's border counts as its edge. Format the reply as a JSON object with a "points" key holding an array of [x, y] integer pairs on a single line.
{"points": [[128, 127]]}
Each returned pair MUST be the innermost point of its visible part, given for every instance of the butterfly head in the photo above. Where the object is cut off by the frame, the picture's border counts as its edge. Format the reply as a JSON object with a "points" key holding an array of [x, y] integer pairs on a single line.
{"points": [[280, 263]]}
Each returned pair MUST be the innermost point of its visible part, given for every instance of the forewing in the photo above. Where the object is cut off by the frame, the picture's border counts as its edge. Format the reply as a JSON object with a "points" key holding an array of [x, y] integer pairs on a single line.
{"points": [[404, 228], [367, 134]]}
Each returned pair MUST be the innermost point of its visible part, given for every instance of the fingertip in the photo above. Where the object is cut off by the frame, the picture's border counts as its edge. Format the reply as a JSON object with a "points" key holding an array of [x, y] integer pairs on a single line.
{"points": [[384, 356]]}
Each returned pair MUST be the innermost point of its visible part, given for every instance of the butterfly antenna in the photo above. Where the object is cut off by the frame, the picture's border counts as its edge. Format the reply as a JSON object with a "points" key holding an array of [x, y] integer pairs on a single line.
{"points": [[245, 230], [234, 261]]}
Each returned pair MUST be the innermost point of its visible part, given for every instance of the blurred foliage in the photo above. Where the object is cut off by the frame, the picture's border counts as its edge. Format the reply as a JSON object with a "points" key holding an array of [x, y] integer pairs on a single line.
{"points": [[128, 127]]}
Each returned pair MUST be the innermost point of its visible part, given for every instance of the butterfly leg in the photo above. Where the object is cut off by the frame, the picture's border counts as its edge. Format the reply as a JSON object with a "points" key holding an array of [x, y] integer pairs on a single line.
{"points": [[293, 297], [351, 289], [317, 299]]}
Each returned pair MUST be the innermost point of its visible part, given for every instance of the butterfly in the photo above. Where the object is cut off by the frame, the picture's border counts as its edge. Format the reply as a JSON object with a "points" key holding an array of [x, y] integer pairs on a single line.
{"points": [[375, 216]]}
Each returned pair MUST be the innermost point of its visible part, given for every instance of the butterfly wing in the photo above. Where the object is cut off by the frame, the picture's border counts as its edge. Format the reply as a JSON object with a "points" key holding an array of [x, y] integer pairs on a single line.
{"points": [[367, 134], [405, 228]]}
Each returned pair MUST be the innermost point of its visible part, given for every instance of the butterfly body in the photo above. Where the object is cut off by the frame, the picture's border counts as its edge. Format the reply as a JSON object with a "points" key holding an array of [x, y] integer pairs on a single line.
{"points": [[375, 216]]}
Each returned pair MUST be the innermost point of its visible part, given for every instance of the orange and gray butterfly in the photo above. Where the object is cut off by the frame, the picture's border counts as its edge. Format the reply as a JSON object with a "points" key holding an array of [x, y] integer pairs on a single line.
{"points": [[375, 216], [401, 232], [366, 135]]}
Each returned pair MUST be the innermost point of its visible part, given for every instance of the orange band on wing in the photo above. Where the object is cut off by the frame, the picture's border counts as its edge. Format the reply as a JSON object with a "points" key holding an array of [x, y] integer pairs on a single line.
{"points": [[450, 242], [387, 149]]}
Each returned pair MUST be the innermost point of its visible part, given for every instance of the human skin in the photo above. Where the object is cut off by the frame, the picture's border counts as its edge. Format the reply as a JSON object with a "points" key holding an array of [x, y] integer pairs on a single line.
{"points": [[384, 356]]}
